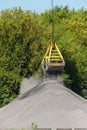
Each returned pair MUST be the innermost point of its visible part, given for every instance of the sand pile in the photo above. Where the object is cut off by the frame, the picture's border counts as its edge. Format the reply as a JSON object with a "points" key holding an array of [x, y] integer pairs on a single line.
{"points": [[47, 103]]}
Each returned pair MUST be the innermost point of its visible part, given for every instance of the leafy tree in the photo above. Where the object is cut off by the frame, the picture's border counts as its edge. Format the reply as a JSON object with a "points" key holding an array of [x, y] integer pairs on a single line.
{"points": [[24, 38]]}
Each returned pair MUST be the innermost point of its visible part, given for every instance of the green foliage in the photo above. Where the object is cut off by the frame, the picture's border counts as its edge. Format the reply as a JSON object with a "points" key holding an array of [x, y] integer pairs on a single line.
{"points": [[24, 38], [20, 50], [71, 36], [9, 87], [34, 126]]}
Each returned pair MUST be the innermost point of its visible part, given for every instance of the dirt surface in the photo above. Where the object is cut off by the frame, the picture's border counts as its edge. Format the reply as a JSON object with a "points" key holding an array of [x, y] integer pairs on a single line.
{"points": [[47, 103]]}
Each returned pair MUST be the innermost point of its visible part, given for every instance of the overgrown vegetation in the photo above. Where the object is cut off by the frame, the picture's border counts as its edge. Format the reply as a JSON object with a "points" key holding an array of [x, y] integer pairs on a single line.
{"points": [[24, 37]]}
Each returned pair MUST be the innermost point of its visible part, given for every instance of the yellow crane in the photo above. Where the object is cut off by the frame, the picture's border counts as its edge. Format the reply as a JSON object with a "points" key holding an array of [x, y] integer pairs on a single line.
{"points": [[53, 60]]}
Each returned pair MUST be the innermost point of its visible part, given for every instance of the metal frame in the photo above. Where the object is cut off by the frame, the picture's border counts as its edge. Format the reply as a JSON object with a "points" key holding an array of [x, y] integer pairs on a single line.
{"points": [[53, 58]]}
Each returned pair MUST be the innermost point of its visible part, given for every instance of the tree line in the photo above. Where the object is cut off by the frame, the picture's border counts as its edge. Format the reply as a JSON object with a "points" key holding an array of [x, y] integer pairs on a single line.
{"points": [[24, 38]]}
